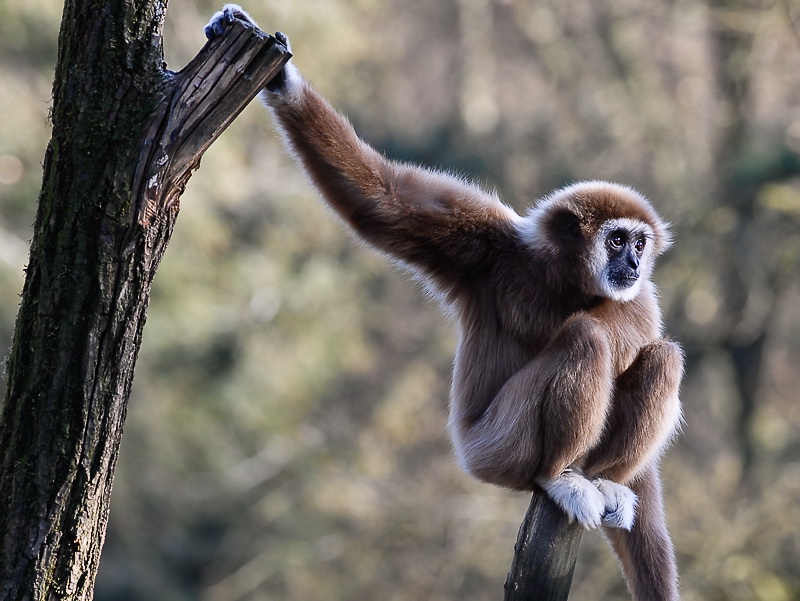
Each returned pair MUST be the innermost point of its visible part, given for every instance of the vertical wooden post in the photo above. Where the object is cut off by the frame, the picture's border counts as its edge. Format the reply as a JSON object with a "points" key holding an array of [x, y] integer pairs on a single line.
{"points": [[544, 555]]}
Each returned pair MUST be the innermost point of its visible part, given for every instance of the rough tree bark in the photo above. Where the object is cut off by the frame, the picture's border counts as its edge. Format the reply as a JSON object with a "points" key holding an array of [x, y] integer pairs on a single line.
{"points": [[127, 134], [545, 554]]}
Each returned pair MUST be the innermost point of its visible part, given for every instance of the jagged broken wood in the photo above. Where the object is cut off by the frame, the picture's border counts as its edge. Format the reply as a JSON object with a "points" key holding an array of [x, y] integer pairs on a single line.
{"points": [[544, 555], [199, 103]]}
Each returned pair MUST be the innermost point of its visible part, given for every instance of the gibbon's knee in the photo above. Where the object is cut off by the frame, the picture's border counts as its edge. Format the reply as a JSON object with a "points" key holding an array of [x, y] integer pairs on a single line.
{"points": [[577, 371], [582, 331], [666, 360]]}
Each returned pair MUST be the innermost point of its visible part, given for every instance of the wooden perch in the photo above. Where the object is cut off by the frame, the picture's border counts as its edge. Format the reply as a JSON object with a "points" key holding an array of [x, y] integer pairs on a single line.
{"points": [[198, 105], [545, 554]]}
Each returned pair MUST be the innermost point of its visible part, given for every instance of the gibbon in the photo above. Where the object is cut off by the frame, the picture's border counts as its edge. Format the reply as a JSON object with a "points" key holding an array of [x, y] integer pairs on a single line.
{"points": [[562, 376]]}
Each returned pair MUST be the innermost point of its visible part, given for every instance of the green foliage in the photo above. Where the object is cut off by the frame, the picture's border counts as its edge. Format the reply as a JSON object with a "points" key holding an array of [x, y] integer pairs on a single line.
{"points": [[286, 434]]}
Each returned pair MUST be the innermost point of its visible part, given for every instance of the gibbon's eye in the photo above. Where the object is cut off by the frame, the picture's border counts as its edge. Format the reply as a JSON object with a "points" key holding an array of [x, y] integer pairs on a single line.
{"points": [[639, 245], [615, 241]]}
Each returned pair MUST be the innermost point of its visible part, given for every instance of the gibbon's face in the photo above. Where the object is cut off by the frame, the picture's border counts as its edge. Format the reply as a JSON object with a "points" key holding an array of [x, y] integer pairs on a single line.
{"points": [[609, 232], [622, 258]]}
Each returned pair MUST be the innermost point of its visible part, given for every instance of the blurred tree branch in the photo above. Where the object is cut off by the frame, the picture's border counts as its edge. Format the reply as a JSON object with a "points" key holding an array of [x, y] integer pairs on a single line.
{"points": [[743, 339], [126, 136]]}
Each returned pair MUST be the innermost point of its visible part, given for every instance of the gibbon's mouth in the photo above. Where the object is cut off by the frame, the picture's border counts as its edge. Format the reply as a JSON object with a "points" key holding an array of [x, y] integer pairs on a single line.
{"points": [[623, 280]]}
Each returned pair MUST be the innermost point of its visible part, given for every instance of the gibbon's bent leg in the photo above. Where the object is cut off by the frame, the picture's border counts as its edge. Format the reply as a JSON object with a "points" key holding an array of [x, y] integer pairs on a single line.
{"points": [[646, 553], [544, 419], [644, 416]]}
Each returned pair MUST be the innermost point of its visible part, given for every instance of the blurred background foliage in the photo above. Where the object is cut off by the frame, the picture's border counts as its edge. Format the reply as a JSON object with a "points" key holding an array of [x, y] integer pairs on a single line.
{"points": [[286, 434]]}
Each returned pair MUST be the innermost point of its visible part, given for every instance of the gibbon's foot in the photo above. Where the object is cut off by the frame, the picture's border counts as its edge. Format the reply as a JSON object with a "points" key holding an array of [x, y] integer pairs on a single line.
{"points": [[283, 39], [620, 504], [279, 82], [577, 496], [221, 19]]}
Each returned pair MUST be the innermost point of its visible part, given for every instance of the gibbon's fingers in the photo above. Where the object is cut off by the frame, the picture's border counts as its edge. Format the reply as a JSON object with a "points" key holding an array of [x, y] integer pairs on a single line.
{"points": [[288, 79], [222, 18], [620, 504], [283, 39], [577, 496]]}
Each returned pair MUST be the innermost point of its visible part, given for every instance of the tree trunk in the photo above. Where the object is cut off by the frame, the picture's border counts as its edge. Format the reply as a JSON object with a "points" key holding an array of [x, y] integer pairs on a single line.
{"points": [[127, 135], [545, 554]]}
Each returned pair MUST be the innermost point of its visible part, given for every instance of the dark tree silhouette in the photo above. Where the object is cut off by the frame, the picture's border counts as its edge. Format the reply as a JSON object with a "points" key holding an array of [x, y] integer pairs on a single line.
{"points": [[126, 135]]}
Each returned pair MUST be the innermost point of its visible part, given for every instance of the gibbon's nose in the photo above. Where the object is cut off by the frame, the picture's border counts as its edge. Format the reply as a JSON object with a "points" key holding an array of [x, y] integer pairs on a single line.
{"points": [[632, 260]]}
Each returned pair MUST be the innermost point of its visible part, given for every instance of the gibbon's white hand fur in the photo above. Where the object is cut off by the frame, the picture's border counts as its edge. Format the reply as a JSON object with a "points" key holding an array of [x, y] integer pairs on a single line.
{"points": [[562, 376]]}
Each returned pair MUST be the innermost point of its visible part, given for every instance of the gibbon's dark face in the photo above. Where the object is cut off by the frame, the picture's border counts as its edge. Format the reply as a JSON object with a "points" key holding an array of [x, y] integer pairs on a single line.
{"points": [[625, 250], [623, 258]]}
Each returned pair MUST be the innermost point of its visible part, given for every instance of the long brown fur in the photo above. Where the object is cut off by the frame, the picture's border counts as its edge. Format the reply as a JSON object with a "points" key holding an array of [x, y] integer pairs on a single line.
{"points": [[550, 377]]}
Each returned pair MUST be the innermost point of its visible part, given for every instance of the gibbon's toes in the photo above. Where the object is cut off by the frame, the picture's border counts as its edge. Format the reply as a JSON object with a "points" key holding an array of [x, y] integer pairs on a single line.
{"points": [[577, 496], [619, 504], [616, 519], [283, 39], [221, 19]]}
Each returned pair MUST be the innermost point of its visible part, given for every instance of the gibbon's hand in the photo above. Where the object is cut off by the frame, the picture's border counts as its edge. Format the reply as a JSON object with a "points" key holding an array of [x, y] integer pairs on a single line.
{"points": [[218, 25], [220, 20], [580, 499]]}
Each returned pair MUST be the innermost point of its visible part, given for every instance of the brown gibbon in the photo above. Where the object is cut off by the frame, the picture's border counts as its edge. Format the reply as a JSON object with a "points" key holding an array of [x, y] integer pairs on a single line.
{"points": [[562, 376]]}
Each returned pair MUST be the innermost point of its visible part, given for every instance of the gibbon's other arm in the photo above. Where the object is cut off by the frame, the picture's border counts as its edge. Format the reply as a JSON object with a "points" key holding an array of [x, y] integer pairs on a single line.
{"points": [[431, 221]]}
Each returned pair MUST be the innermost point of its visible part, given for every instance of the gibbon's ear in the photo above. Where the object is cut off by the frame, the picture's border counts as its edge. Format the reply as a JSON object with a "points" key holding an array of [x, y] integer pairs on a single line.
{"points": [[563, 227]]}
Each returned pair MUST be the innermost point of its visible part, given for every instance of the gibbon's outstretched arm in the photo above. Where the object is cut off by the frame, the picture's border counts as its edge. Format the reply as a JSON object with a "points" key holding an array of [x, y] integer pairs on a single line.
{"points": [[562, 378], [435, 223], [428, 220]]}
